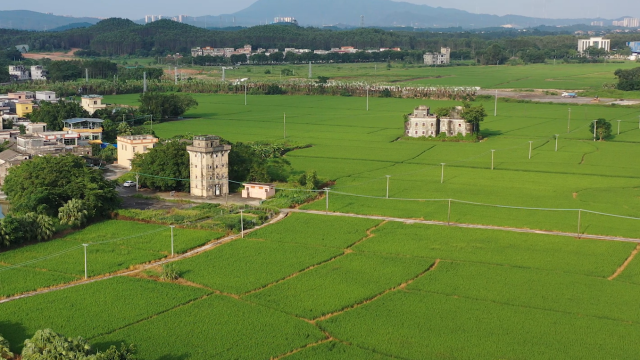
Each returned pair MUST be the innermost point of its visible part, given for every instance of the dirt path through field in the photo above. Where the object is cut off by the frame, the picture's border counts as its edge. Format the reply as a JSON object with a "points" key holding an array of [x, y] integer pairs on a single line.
{"points": [[470, 226], [52, 55], [625, 264]]}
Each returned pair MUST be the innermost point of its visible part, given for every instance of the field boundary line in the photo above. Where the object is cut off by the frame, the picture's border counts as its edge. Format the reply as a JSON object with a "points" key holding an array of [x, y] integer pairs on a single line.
{"points": [[379, 295], [188, 254], [469, 226], [320, 342], [625, 264], [345, 251]]}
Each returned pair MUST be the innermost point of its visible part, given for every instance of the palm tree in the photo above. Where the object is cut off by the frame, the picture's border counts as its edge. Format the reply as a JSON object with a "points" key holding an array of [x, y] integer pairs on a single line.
{"points": [[73, 213]]}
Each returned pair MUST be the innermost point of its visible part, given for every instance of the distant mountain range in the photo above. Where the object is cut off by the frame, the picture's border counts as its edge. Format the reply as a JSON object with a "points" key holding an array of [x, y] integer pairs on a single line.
{"points": [[344, 13], [31, 20]]}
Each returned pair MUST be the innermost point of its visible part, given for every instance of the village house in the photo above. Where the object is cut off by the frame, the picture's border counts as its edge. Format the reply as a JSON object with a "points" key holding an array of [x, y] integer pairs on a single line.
{"points": [[49, 96], [422, 123], [90, 130], [256, 190], [92, 103], [8, 159], [442, 58], [128, 146]]}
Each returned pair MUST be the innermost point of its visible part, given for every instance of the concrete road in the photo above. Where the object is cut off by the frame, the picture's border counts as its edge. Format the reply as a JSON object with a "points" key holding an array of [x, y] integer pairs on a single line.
{"points": [[540, 96]]}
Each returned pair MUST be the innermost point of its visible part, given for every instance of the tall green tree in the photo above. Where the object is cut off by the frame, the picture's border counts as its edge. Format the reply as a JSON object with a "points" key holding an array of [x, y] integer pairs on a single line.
{"points": [[474, 115], [603, 128], [628, 80], [45, 184], [166, 163], [5, 352], [74, 213], [48, 345], [54, 114], [162, 106]]}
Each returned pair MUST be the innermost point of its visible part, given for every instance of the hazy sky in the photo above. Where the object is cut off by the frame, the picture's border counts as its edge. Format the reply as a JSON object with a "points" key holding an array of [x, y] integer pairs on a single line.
{"points": [[137, 9]]}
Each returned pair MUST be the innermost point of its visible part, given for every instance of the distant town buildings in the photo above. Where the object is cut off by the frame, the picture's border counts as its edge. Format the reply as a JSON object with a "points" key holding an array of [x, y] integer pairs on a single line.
{"points": [[152, 18], [247, 50], [628, 22], [597, 23], [285, 20], [635, 47], [442, 58], [422, 123], [596, 42]]}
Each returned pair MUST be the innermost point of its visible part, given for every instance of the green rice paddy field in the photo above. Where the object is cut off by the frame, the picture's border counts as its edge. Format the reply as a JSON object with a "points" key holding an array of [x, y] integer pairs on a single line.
{"points": [[357, 149], [538, 76], [325, 287]]}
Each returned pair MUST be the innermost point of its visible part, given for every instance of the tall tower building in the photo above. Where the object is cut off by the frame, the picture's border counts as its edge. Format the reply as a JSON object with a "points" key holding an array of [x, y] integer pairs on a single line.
{"points": [[209, 166]]}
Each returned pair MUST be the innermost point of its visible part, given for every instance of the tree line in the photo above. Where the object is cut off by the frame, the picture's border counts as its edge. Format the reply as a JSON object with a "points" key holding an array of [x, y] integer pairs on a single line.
{"points": [[123, 37]]}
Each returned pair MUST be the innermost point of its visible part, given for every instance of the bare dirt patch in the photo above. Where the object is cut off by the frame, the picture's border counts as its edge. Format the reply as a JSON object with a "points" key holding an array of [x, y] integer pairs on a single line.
{"points": [[53, 55], [625, 264]]}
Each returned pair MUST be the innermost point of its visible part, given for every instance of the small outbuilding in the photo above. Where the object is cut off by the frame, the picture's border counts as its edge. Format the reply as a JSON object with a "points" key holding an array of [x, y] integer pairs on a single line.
{"points": [[259, 190]]}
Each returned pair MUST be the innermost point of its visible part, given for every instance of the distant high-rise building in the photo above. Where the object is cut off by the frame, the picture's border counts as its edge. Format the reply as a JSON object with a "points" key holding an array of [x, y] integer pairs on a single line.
{"points": [[628, 22], [597, 23]]}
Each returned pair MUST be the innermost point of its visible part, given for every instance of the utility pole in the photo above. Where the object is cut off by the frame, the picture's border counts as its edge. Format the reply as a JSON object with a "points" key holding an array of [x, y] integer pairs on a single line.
{"points": [[144, 88], [367, 97], [137, 181], [557, 141], [176, 75], [579, 220], [449, 214], [495, 107], [326, 195], [619, 127], [595, 123], [85, 261], [442, 176], [245, 93], [241, 224], [530, 145], [284, 124], [388, 176], [310, 71], [151, 121], [492, 152], [172, 226], [223, 74], [569, 123], [86, 75]]}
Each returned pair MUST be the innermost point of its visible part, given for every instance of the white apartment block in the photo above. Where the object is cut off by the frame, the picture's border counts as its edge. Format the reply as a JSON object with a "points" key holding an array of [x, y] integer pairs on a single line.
{"points": [[596, 42], [628, 22], [38, 73], [19, 72]]}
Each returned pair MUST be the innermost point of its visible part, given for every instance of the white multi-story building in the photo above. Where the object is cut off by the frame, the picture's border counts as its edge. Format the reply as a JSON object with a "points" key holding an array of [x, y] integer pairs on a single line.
{"points": [[46, 96], [628, 22], [209, 162], [19, 72], [442, 58], [38, 73], [596, 42]]}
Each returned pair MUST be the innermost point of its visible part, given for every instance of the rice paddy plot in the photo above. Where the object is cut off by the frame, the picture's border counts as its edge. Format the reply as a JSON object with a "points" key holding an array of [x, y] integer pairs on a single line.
{"points": [[217, 327], [338, 284], [528, 288], [91, 309], [334, 350], [22, 279], [425, 326], [314, 230], [535, 251], [244, 265]]}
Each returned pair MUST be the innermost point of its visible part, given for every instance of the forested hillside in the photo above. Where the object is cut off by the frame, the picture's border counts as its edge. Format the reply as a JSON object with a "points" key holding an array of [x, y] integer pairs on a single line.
{"points": [[124, 37]]}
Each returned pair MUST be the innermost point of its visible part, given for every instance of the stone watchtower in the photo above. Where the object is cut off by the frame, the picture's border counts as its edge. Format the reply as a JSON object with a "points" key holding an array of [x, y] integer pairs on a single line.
{"points": [[209, 166]]}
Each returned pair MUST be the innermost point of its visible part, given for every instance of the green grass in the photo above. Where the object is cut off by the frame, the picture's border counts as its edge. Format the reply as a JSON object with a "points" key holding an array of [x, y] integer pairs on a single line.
{"points": [[113, 245], [545, 252], [244, 265], [336, 285], [316, 230], [528, 288], [92, 309], [217, 327], [429, 326]]}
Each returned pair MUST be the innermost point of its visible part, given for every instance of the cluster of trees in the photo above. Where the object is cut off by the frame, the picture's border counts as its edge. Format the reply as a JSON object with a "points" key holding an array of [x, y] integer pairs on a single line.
{"points": [[168, 163], [628, 80], [123, 37], [48, 345], [54, 114], [7, 57], [163, 106], [96, 69], [47, 190], [602, 128]]}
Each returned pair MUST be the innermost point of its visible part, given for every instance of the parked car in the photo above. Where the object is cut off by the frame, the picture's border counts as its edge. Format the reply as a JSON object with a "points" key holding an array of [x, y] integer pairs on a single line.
{"points": [[129, 184]]}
